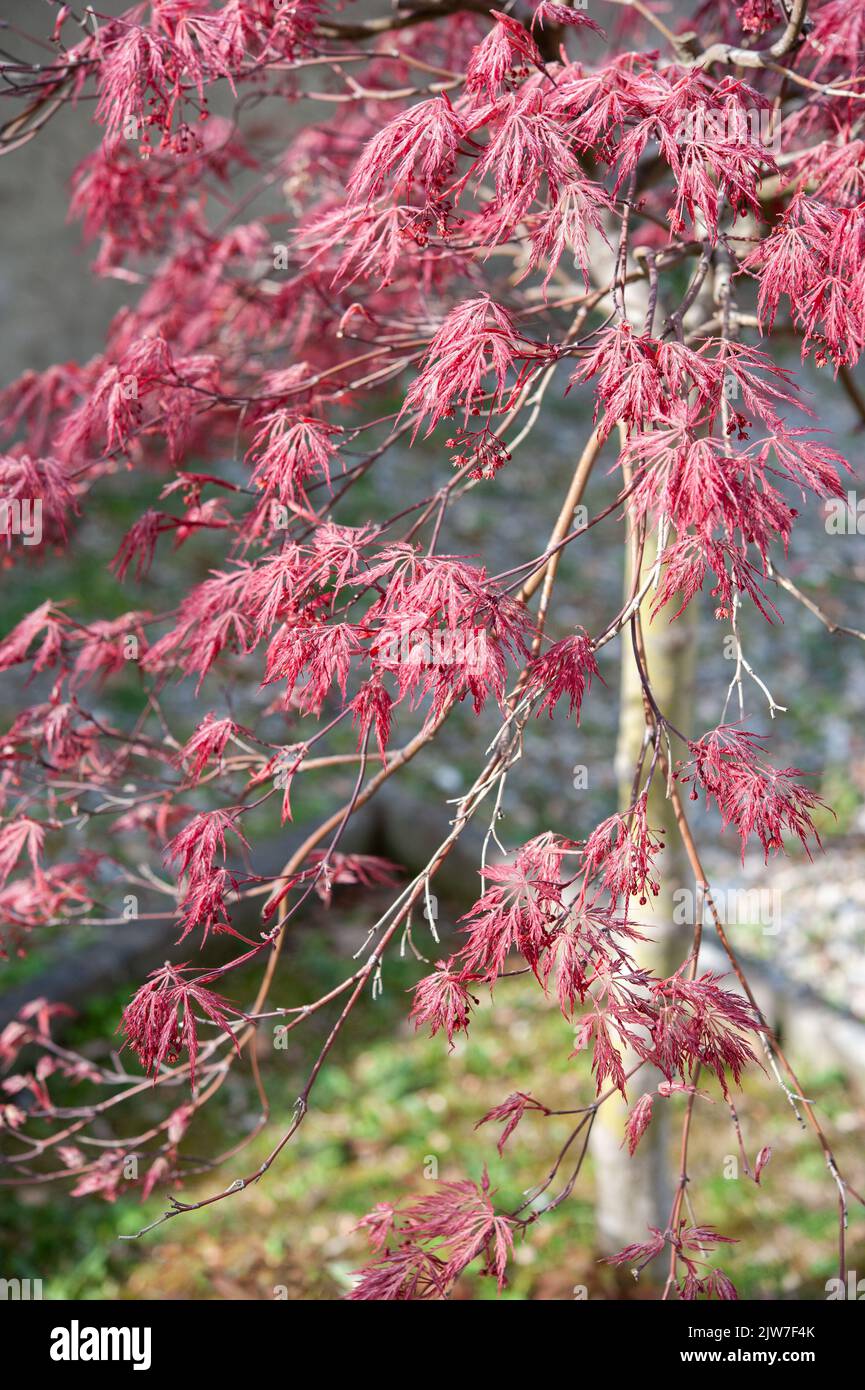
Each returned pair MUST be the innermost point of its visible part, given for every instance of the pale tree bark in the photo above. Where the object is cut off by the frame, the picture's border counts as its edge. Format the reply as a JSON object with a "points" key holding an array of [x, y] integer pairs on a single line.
{"points": [[633, 1193]]}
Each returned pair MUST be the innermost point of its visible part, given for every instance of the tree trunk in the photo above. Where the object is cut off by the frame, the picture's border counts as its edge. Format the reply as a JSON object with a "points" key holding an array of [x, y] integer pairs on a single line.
{"points": [[634, 1193]]}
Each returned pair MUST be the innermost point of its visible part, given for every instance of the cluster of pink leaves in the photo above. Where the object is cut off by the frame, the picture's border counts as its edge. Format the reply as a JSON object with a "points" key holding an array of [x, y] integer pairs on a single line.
{"points": [[692, 1244], [815, 258], [573, 929], [762, 802], [159, 1023], [421, 1250]]}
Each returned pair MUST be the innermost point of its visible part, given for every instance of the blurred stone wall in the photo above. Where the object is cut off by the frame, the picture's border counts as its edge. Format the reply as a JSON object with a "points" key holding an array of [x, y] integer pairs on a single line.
{"points": [[51, 306]]}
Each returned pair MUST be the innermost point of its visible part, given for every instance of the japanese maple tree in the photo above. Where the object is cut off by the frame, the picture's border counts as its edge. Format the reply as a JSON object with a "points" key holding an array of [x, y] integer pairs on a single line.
{"points": [[480, 209]]}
